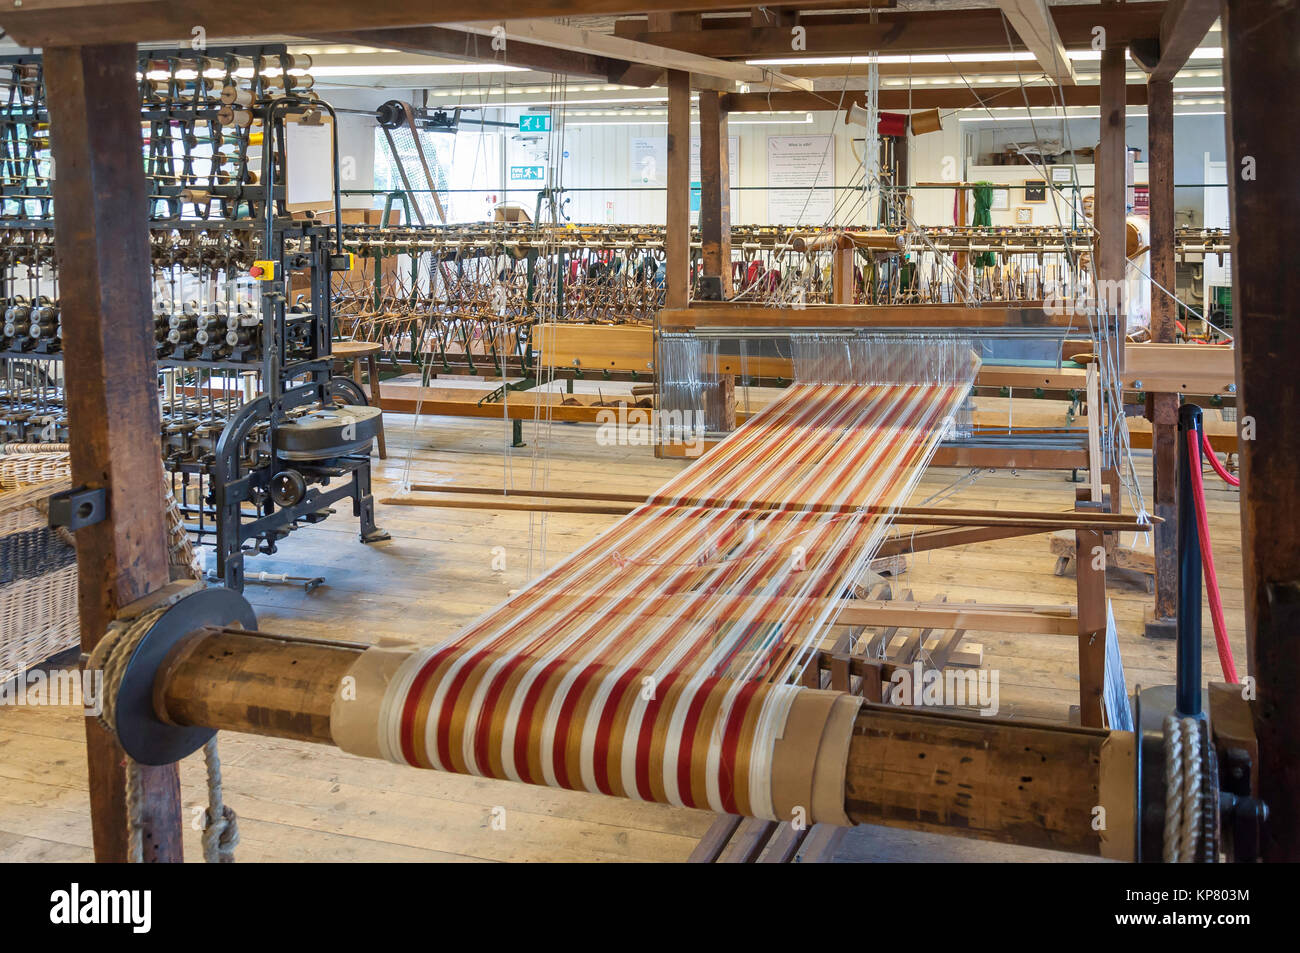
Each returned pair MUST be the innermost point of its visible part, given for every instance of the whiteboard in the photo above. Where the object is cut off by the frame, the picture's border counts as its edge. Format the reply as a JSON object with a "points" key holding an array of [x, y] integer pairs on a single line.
{"points": [[795, 166]]}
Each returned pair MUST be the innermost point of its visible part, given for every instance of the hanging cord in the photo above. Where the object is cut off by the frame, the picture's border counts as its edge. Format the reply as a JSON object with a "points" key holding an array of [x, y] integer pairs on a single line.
{"points": [[1183, 795], [220, 824], [1226, 661], [110, 656]]}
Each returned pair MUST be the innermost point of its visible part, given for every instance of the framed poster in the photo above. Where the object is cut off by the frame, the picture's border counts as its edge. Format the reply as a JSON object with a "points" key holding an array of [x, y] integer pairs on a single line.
{"points": [[1001, 200], [733, 161], [1063, 174], [1024, 215], [800, 173], [1035, 190], [649, 160]]}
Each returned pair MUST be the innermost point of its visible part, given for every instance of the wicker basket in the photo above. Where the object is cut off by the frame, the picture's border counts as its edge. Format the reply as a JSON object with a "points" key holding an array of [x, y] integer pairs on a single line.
{"points": [[31, 469], [38, 570], [38, 581]]}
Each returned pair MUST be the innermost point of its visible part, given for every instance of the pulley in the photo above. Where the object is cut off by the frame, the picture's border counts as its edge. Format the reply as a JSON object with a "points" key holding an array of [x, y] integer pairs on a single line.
{"points": [[328, 432], [288, 488]]}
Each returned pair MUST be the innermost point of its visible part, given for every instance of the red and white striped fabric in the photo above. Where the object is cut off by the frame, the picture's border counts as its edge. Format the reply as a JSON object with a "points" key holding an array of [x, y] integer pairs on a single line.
{"points": [[656, 662]]}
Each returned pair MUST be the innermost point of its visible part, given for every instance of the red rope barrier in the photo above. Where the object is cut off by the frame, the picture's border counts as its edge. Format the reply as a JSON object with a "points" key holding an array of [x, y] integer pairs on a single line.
{"points": [[1224, 475], [1207, 559]]}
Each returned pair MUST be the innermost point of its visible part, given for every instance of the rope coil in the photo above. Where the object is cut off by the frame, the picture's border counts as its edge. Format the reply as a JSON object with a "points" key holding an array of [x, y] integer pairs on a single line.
{"points": [[1185, 784], [220, 826]]}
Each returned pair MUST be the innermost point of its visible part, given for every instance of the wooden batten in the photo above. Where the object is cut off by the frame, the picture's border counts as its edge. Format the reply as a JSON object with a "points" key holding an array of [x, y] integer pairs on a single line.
{"points": [[714, 316]]}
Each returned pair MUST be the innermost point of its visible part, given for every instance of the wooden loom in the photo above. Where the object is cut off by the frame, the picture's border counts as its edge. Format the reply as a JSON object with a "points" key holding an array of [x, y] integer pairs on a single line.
{"points": [[1060, 769], [709, 604]]}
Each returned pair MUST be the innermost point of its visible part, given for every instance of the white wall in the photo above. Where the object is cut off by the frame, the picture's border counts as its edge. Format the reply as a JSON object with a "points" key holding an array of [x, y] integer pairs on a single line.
{"points": [[597, 164]]}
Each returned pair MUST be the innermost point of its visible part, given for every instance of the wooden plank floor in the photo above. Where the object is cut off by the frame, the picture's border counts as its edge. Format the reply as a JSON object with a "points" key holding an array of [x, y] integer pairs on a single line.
{"points": [[299, 802]]}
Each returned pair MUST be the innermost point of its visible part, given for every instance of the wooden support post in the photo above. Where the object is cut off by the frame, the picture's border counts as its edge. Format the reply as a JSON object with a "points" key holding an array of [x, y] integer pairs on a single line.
{"points": [[1090, 579], [678, 231], [111, 384], [1263, 141], [843, 275], [1093, 388], [715, 191], [1163, 408], [963, 258], [1110, 203]]}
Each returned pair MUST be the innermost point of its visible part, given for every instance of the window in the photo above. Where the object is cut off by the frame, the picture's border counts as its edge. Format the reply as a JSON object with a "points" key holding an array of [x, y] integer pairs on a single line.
{"points": [[465, 168]]}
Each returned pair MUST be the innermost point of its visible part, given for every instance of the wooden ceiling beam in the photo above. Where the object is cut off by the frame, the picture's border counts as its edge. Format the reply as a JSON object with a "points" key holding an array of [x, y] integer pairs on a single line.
{"points": [[41, 23], [549, 33], [1183, 27], [1136, 95], [457, 44], [88, 22], [939, 31], [1037, 30]]}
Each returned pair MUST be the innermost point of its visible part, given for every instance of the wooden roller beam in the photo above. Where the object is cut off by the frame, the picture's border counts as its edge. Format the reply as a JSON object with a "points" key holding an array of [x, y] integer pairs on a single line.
{"points": [[255, 683], [1015, 782]]}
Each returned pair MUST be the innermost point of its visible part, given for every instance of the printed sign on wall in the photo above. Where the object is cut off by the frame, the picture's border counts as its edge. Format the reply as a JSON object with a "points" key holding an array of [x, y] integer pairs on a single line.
{"points": [[800, 173], [649, 161]]}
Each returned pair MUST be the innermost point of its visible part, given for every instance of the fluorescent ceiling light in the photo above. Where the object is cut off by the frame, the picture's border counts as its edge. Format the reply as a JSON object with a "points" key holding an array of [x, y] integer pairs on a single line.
{"points": [[1018, 114], [414, 69], [1006, 57], [805, 121], [1020, 56], [489, 103]]}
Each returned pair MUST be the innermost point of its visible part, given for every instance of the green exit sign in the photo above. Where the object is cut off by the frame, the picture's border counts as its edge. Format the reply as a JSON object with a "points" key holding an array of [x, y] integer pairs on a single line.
{"points": [[535, 122]]}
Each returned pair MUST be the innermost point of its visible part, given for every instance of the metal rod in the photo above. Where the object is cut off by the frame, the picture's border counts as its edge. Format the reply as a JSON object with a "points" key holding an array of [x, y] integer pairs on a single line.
{"points": [[1189, 570]]}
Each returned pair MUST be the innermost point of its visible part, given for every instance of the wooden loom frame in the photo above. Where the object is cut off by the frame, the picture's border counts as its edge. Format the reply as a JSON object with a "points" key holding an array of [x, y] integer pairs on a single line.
{"points": [[90, 67]]}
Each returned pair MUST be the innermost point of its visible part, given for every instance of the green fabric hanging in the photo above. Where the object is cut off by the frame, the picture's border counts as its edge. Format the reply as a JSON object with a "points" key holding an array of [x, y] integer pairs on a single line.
{"points": [[984, 202]]}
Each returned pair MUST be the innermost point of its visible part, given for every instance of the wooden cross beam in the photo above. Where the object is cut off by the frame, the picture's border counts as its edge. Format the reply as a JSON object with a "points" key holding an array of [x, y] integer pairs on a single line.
{"points": [[41, 23], [578, 39], [1037, 30], [938, 31], [1182, 28], [458, 44], [955, 98]]}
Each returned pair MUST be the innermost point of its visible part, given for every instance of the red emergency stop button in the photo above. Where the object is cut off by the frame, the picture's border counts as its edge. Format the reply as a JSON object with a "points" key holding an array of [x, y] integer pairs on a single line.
{"points": [[256, 271]]}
